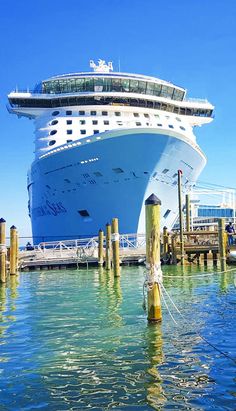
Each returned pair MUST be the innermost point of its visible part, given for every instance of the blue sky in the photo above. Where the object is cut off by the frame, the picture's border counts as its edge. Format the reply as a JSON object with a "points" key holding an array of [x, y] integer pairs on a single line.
{"points": [[191, 43]]}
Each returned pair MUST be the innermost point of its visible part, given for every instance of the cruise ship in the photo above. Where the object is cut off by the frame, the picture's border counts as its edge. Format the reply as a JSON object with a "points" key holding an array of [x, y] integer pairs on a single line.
{"points": [[104, 142]]}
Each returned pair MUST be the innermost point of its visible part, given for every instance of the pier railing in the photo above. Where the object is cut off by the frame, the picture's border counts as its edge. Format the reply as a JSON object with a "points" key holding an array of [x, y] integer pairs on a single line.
{"points": [[80, 250]]}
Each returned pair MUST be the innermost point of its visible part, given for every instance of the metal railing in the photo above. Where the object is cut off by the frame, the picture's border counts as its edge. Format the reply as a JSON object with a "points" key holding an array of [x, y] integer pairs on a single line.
{"points": [[79, 249]]}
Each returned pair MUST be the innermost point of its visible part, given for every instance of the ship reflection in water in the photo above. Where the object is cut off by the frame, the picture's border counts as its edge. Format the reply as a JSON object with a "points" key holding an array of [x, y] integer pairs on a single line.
{"points": [[80, 339]]}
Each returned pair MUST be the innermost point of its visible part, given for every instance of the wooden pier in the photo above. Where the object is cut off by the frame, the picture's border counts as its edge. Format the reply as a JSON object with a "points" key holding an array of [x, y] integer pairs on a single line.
{"points": [[199, 247]]}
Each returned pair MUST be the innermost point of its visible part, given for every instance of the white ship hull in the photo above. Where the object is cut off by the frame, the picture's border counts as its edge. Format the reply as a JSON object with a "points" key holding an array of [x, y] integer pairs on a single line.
{"points": [[74, 192]]}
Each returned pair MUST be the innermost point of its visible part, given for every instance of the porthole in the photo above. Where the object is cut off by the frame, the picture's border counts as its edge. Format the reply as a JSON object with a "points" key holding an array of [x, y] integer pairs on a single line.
{"points": [[170, 126], [54, 122], [52, 132], [55, 113], [178, 119], [83, 213], [68, 112], [104, 113], [52, 142], [81, 113], [69, 141], [182, 128], [159, 125]]}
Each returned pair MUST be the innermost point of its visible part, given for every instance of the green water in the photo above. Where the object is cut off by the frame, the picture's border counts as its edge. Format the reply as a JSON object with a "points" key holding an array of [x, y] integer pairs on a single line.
{"points": [[77, 340]]}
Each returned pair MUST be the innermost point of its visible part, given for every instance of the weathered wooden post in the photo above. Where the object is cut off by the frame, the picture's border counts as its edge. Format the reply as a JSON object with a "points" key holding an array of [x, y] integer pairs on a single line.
{"points": [[115, 247], [100, 248], [173, 249], [165, 241], [17, 251], [108, 246], [13, 250], [221, 236], [152, 208], [181, 228], [187, 208], [3, 250]]}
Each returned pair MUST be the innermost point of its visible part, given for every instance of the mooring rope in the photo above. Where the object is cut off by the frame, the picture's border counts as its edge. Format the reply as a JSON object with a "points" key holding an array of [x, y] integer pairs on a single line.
{"points": [[205, 274], [194, 329]]}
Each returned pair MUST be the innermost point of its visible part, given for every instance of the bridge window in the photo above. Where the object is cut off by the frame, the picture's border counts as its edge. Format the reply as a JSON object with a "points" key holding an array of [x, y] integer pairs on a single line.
{"points": [[68, 112], [136, 114], [81, 113], [95, 131], [104, 113], [95, 122], [93, 113], [68, 121], [106, 122], [82, 121], [82, 131], [68, 131]]}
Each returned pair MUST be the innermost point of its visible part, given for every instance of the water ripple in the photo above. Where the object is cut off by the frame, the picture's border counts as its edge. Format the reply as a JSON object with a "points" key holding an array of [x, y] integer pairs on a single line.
{"points": [[74, 340]]}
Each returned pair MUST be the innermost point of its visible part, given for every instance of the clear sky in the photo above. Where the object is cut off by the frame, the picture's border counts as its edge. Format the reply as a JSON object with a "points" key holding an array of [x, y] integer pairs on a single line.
{"points": [[191, 43]]}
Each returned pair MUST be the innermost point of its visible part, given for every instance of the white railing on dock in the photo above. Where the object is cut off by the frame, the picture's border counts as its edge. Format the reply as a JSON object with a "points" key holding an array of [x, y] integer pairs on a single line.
{"points": [[79, 249]]}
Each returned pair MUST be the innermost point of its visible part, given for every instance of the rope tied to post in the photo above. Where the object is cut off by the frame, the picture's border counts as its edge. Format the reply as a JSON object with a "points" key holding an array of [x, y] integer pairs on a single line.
{"points": [[3, 248], [153, 274], [115, 237]]}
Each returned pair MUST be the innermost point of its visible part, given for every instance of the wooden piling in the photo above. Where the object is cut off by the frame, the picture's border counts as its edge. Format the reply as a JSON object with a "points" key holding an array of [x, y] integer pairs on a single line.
{"points": [[222, 249], [115, 247], [100, 248], [13, 250], [173, 249], [205, 255], [108, 246], [165, 241], [181, 228], [152, 208], [2, 250], [17, 251], [214, 257], [187, 208]]}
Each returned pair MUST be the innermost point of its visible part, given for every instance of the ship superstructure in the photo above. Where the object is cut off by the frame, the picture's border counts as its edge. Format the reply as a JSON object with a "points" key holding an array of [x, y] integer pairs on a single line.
{"points": [[104, 141]]}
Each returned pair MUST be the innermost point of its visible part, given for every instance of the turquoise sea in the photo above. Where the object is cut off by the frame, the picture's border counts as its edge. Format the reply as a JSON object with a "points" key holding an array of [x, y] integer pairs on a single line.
{"points": [[78, 340]]}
